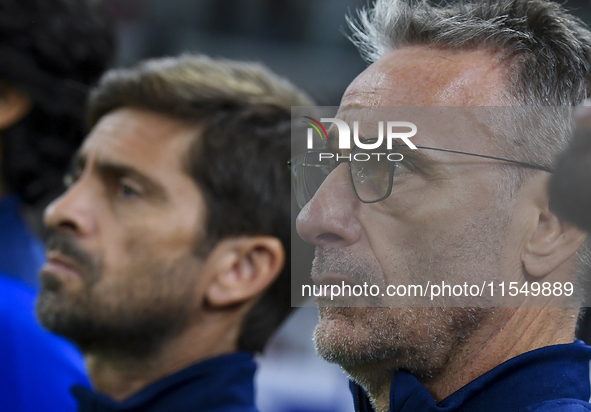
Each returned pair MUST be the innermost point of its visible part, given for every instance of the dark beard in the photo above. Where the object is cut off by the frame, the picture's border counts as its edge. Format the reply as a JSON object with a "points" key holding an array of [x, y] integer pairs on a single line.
{"points": [[115, 322], [137, 334]]}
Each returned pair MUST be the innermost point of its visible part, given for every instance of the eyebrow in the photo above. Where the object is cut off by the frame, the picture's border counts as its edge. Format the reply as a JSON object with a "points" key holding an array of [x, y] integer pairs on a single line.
{"points": [[112, 169], [418, 157]]}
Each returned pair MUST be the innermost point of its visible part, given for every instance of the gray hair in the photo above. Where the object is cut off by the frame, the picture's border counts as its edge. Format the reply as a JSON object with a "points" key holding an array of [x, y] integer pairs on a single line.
{"points": [[547, 47], [546, 51]]}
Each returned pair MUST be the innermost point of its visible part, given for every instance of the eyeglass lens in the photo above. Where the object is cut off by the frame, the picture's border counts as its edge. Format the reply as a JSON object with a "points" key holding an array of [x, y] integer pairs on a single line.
{"points": [[370, 173], [309, 170]]}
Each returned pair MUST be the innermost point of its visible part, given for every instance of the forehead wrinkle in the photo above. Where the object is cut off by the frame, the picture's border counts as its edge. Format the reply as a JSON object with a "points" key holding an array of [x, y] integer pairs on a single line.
{"points": [[120, 131], [104, 164], [115, 154], [439, 76]]}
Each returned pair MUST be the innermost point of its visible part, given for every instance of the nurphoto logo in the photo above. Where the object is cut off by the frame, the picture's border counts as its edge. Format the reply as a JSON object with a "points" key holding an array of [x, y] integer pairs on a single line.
{"points": [[344, 138]]}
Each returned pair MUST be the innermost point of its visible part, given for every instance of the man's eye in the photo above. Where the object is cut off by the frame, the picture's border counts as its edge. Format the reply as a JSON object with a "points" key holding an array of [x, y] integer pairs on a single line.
{"points": [[126, 188], [401, 169], [127, 191]]}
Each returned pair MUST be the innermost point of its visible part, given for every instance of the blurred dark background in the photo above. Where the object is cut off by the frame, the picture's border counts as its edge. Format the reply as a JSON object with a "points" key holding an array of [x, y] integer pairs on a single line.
{"points": [[299, 39]]}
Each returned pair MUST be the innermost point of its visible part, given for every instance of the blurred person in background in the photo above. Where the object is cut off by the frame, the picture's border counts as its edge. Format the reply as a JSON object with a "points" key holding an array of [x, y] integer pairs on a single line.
{"points": [[570, 190], [169, 260], [51, 52], [570, 186]]}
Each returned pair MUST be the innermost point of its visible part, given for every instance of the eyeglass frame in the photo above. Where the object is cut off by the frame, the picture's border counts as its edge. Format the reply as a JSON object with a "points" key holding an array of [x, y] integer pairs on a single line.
{"points": [[393, 165]]}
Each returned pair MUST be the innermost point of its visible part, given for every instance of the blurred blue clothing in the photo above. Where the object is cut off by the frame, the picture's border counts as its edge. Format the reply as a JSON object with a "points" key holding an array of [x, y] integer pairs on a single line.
{"points": [[37, 368], [21, 252], [221, 384], [550, 379]]}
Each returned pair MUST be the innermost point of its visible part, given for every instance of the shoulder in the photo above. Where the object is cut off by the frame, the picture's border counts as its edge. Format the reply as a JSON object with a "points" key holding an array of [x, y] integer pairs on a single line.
{"points": [[38, 367], [560, 405], [17, 299], [18, 320], [21, 331]]}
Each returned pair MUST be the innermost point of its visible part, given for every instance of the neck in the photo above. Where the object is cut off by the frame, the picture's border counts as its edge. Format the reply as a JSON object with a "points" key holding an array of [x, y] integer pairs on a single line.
{"points": [[512, 332], [120, 375]]}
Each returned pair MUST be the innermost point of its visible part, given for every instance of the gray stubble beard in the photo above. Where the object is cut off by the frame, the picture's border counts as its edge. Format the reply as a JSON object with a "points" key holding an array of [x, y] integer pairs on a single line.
{"points": [[371, 343]]}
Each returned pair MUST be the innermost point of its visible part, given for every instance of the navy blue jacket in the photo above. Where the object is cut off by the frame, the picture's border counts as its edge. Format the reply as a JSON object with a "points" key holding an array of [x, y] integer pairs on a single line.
{"points": [[21, 252], [550, 379], [37, 368], [222, 384]]}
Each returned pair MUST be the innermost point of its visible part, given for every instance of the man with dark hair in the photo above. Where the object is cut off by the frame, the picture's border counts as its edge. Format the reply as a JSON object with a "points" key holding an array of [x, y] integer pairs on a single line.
{"points": [[51, 52], [169, 262], [467, 201]]}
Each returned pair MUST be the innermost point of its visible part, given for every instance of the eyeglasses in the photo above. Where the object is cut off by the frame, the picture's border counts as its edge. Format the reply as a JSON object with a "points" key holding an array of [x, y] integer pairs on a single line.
{"points": [[372, 171]]}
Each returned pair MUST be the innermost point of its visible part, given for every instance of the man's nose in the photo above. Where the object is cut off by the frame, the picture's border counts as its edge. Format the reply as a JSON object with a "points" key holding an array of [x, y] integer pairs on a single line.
{"points": [[73, 211], [329, 219]]}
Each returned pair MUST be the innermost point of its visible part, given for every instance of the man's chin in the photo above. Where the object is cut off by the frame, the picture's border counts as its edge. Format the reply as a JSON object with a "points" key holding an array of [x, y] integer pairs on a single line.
{"points": [[66, 288], [52, 308], [340, 335], [420, 340], [131, 331]]}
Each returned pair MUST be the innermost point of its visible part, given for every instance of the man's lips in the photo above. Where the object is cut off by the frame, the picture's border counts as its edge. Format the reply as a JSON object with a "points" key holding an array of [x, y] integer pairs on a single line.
{"points": [[59, 265]]}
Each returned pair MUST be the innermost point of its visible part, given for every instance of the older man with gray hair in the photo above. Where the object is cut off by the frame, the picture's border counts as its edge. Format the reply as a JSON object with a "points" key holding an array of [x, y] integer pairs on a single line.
{"points": [[465, 204]]}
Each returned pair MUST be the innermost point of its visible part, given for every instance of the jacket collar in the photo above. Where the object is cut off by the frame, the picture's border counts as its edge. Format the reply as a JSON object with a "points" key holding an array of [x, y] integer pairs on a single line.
{"points": [[224, 383], [553, 372]]}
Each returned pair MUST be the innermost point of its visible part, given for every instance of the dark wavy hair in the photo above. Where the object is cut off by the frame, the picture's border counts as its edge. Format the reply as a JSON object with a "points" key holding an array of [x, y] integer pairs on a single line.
{"points": [[53, 51]]}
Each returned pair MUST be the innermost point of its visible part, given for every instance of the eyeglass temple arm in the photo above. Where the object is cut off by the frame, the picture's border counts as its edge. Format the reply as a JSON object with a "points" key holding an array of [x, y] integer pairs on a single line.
{"points": [[527, 164]]}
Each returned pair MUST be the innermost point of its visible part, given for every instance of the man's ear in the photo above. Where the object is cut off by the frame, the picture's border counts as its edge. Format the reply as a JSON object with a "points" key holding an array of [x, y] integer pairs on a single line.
{"points": [[14, 105], [242, 268], [552, 242]]}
